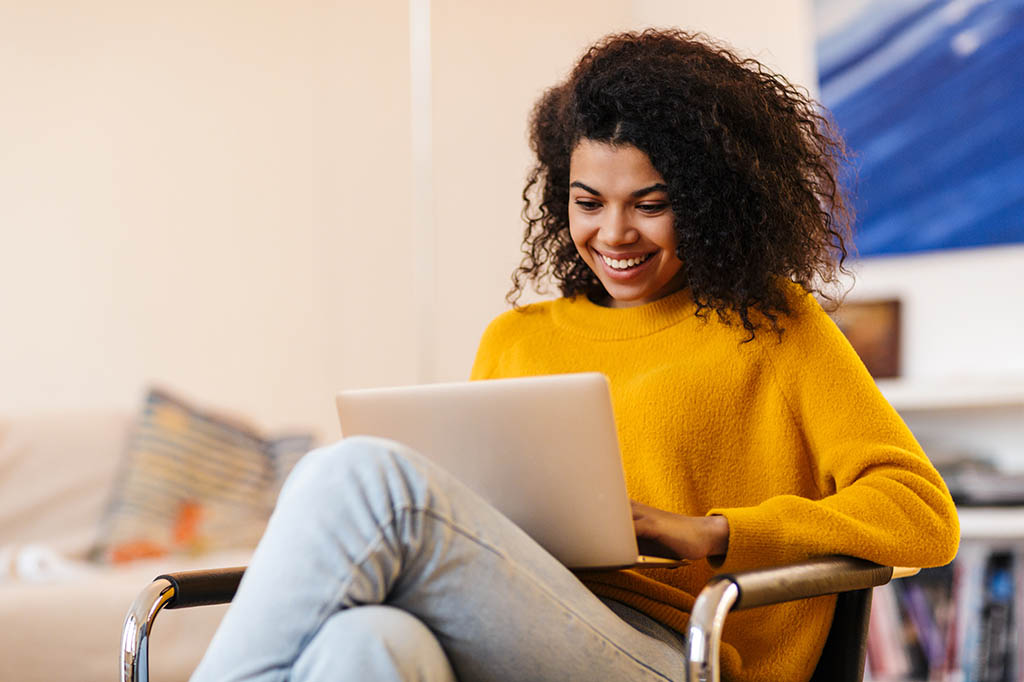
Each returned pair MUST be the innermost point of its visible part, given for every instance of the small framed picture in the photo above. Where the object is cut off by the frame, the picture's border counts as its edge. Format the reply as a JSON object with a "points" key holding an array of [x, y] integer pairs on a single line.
{"points": [[873, 328]]}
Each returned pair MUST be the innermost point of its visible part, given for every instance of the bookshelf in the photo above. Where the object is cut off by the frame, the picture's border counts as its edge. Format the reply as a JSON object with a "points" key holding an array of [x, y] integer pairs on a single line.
{"points": [[964, 622]]}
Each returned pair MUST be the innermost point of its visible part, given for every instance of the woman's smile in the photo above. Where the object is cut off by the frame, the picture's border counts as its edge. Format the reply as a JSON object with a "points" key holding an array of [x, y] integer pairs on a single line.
{"points": [[624, 266]]}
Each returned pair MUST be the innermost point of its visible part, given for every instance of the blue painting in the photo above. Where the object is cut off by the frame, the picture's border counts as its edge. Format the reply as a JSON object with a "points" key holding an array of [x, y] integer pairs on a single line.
{"points": [[930, 99]]}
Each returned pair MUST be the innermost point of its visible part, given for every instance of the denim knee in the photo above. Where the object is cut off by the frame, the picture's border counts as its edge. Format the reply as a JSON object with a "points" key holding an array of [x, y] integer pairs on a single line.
{"points": [[321, 470], [373, 642]]}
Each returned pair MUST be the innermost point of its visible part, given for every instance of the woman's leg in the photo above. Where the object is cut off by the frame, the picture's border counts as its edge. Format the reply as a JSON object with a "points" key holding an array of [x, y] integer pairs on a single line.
{"points": [[368, 522], [379, 643]]}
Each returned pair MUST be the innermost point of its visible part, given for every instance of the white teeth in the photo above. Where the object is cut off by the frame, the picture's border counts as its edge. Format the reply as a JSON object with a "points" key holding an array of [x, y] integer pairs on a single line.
{"points": [[623, 264]]}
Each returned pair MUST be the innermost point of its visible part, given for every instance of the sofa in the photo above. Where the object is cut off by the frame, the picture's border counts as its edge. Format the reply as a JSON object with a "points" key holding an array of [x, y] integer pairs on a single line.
{"points": [[60, 612]]}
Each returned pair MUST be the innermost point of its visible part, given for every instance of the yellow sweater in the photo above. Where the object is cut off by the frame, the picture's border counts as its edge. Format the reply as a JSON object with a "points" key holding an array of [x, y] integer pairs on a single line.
{"points": [[791, 441]]}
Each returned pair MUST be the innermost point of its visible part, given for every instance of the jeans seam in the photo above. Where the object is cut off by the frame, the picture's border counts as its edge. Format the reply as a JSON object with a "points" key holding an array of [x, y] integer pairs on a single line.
{"points": [[343, 584]]}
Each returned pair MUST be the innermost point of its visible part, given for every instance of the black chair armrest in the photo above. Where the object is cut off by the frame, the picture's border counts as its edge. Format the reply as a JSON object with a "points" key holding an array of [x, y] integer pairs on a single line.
{"points": [[203, 588]]}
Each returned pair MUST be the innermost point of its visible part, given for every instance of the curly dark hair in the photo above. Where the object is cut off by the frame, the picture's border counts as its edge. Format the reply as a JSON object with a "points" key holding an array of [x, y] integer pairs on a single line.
{"points": [[752, 164]]}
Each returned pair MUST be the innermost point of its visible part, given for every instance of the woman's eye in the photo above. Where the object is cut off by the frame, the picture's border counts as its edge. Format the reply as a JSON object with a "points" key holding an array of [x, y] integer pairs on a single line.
{"points": [[652, 208], [588, 205]]}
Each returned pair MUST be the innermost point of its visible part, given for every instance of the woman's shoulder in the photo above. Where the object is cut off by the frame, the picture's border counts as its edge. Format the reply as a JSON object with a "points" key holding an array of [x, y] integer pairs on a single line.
{"points": [[810, 342], [520, 322], [506, 331], [522, 319]]}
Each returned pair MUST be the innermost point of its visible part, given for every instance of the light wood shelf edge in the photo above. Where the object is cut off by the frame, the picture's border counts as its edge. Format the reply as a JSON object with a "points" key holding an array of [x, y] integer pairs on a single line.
{"points": [[991, 523], [919, 395], [906, 394]]}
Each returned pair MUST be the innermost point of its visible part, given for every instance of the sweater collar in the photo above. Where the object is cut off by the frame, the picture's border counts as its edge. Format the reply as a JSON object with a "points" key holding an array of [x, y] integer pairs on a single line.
{"points": [[581, 315]]}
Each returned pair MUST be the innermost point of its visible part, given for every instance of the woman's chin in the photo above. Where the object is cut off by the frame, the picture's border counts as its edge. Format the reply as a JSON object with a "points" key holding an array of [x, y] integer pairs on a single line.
{"points": [[625, 299], [619, 296]]}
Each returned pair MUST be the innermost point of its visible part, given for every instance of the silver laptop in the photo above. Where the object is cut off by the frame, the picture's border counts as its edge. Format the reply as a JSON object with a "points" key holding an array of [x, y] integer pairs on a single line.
{"points": [[542, 450]]}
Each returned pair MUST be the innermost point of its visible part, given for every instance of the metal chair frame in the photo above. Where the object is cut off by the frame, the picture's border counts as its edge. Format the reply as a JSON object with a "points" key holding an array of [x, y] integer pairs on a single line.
{"points": [[842, 659]]}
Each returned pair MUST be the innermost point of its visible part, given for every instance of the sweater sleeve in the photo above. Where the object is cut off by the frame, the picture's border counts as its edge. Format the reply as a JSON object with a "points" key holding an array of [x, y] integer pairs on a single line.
{"points": [[881, 498]]}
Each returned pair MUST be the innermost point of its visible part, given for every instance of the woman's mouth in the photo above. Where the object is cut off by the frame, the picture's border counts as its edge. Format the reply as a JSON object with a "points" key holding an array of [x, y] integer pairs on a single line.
{"points": [[625, 264]]}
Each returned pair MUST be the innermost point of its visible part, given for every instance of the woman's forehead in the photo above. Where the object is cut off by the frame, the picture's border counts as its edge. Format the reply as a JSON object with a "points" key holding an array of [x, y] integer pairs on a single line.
{"points": [[613, 167]]}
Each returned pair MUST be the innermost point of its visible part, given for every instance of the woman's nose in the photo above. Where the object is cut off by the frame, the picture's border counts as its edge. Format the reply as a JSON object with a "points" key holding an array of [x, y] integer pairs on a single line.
{"points": [[617, 229]]}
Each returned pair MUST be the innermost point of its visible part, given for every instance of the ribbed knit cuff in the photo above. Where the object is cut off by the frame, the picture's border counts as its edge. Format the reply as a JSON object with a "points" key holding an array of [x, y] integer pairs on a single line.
{"points": [[754, 541]]}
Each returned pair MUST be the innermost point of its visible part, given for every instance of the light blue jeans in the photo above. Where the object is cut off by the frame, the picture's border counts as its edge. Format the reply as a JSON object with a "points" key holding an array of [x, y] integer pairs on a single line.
{"points": [[378, 565]]}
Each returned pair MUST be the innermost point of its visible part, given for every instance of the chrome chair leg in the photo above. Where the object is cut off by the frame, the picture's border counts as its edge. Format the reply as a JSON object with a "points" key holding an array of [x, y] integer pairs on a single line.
{"points": [[137, 626], [704, 632]]}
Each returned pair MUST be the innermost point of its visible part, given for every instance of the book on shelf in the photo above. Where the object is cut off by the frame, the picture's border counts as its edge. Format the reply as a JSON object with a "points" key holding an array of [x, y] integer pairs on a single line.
{"points": [[995, 658]]}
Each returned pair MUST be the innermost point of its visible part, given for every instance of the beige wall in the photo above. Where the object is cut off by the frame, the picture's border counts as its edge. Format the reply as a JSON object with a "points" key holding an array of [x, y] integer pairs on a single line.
{"points": [[362, 232], [212, 195], [218, 196]]}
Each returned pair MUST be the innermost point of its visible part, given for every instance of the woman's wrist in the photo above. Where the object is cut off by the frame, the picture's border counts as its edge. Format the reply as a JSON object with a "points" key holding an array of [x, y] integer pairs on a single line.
{"points": [[717, 534]]}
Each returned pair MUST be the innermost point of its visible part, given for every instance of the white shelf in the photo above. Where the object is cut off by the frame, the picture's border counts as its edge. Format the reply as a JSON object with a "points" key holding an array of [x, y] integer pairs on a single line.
{"points": [[911, 396], [991, 523]]}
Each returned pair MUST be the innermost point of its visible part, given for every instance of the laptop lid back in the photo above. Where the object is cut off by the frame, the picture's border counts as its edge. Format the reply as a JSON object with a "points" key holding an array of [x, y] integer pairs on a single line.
{"points": [[542, 450]]}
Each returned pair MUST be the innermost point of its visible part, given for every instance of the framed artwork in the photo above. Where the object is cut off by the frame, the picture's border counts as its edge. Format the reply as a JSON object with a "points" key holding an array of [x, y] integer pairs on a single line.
{"points": [[929, 95], [873, 329]]}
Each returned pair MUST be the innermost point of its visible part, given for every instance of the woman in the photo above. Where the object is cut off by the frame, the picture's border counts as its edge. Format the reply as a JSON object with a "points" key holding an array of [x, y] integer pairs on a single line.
{"points": [[686, 203]]}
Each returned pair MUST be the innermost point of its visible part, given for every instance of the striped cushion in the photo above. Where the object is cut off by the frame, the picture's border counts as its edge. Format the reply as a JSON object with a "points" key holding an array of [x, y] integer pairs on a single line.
{"points": [[191, 482]]}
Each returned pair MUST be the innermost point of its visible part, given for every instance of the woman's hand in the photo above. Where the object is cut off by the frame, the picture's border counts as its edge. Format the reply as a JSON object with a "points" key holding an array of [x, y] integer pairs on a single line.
{"points": [[689, 537]]}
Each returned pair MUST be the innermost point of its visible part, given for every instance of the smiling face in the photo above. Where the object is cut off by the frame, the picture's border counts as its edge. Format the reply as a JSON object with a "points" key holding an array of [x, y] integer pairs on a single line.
{"points": [[622, 224]]}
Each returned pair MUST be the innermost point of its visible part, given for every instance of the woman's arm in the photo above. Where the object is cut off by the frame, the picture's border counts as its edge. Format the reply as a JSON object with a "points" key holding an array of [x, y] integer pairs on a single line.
{"points": [[880, 497]]}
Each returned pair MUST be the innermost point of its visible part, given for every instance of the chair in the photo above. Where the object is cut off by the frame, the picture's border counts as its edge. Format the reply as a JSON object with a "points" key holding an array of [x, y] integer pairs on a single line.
{"points": [[842, 659]]}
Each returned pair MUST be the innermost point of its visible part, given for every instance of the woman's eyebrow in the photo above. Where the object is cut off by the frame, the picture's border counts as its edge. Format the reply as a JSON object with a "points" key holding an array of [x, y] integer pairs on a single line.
{"points": [[583, 187], [658, 187]]}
